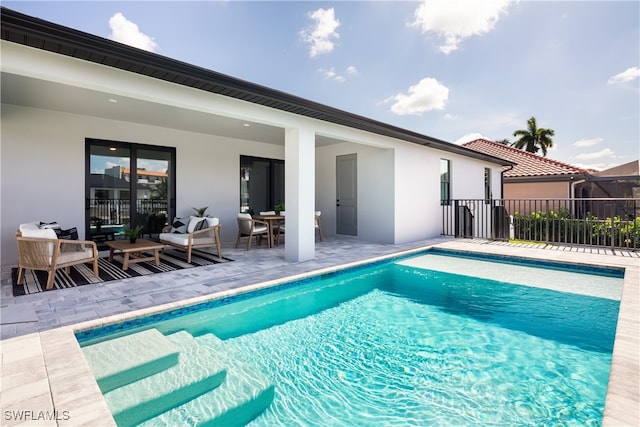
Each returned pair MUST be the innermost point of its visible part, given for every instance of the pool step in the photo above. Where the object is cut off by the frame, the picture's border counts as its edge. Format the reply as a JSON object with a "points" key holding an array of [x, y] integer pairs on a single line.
{"points": [[244, 394], [198, 371], [123, 360]]}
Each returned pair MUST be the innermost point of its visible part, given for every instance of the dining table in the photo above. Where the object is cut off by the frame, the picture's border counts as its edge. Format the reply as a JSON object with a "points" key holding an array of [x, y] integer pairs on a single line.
{"points": [[272, 221]]}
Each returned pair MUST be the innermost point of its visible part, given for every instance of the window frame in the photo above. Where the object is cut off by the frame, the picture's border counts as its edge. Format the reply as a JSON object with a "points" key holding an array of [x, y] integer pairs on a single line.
{"points": [[445, 184]]}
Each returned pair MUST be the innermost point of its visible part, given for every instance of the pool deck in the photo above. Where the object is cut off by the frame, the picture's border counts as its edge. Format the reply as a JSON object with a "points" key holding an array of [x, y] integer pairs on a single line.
{"points": [[46, 381]]}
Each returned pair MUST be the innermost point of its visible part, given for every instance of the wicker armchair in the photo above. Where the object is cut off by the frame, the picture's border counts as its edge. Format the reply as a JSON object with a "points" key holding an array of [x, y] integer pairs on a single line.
{"points": [[42, 250]]}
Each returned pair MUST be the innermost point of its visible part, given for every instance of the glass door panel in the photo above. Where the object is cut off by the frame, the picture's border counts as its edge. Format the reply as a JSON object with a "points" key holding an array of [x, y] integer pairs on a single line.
{"points": [[153, 190], [109, 190]]}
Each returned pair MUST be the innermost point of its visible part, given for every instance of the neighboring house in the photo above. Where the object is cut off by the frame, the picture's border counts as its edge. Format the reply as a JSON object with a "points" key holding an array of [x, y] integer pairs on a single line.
{"points": [[621, 181], [74, 105], [532, 176], [537, 177]]}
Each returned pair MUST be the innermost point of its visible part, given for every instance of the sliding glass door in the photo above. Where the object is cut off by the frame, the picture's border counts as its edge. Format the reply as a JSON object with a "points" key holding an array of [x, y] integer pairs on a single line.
{"points": [[128, 185], [261, 184]]}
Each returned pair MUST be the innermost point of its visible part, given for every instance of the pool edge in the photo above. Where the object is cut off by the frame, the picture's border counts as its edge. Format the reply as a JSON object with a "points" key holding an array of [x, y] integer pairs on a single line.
{"points": [[57, 348]]}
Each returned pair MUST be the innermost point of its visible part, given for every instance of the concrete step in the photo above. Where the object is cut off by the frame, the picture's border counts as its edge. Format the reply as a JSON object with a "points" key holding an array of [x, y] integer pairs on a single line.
{"points": [[127, 359], [198, 371], [244, 395]]}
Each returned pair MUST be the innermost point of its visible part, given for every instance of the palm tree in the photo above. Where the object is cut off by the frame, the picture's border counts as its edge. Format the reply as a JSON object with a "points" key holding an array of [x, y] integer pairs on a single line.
{"points": [[533, 138], [503, 141]]}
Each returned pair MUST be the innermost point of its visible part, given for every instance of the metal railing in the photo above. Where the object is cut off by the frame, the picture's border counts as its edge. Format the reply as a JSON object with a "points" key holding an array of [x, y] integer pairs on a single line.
{"points": [[118, 212], [612, 223]]}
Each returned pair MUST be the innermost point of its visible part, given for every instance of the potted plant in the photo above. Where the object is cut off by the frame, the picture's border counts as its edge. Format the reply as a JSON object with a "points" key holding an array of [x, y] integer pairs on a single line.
{"points": [[132, 233], [200, 211], [279, 207]]}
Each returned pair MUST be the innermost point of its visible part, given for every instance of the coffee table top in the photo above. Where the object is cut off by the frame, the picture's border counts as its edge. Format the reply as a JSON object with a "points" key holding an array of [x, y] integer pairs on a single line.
{"points": [[139, 245]]}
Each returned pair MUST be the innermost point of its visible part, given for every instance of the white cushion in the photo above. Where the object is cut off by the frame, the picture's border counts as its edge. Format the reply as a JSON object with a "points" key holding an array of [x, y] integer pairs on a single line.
{"points": [[212, 222], [85, 252], [259, 228], [183, 239], [32, 229]]}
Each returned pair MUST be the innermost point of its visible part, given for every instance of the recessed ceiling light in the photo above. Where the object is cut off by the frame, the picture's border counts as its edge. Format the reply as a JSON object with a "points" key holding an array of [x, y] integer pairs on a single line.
{"points": [[115, 101], [112, 148], [246, 125]]}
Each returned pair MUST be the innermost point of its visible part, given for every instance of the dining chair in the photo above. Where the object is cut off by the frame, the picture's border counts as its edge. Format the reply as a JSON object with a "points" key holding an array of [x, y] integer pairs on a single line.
{"points": [[249, 227], [318, 224]]}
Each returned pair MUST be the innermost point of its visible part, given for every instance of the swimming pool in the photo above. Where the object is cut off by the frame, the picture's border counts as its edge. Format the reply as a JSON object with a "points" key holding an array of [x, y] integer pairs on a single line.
{"points": [[400, 344]]}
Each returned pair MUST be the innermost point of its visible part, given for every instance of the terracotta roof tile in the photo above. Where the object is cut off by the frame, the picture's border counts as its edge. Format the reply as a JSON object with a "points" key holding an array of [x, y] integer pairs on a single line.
{"points": [[527, 164]]}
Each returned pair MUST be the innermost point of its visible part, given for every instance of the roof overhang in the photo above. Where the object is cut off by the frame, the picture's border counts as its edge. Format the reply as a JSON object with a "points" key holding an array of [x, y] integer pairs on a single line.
{"points": [[545, 178], [40, 34]]}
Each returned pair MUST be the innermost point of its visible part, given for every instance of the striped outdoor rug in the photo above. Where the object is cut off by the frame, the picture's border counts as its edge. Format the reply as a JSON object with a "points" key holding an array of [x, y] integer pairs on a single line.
{"points": [[82, 274]]}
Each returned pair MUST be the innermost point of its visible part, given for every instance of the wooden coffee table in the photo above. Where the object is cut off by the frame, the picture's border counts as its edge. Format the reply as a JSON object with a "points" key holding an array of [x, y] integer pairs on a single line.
{"points": [[135, 252]]}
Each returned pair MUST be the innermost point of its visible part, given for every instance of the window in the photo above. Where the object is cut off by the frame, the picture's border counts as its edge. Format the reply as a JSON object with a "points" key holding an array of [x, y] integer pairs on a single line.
{"points": [[487, 185], [445, 182], [261, 184]]}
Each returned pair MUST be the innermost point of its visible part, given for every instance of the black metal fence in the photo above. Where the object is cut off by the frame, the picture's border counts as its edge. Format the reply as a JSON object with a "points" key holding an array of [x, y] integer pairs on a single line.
{"points": [[118, 211], [613, 223]]}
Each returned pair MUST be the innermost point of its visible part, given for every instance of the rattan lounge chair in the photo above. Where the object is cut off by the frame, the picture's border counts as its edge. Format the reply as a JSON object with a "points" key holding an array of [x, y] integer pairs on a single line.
{"points": [[196, 235], [40, 249]]}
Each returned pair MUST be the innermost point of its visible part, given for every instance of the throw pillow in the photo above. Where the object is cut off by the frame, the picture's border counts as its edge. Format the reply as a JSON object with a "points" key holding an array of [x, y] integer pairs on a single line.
{"points": [[179, 226], [202, 225], [194, 222], [70, 234], [45, 225]]}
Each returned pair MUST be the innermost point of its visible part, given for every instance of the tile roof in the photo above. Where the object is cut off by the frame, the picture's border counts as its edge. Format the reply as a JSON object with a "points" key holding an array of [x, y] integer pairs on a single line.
{"points": [[527, 164]]}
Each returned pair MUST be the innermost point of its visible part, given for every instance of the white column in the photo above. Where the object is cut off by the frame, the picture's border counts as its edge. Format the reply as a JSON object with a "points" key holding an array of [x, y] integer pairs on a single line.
{"points": [[299, 189]]}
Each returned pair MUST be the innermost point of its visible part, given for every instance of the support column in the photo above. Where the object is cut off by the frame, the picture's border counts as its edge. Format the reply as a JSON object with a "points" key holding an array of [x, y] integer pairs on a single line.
{"points": [[299, 190]]}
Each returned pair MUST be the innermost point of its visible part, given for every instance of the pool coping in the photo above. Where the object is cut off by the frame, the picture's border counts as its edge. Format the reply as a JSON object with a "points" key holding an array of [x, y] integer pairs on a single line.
{"points": [[48, 370]]}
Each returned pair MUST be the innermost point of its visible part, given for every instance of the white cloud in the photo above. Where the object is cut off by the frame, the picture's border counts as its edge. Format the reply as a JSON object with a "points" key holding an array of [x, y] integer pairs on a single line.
{"points": [[322, 33], [587, 142], [456, 20], [351, 69], [605, 152], [127, 32], [470, 137], [624, 77], [332, 75], [429, 94]]}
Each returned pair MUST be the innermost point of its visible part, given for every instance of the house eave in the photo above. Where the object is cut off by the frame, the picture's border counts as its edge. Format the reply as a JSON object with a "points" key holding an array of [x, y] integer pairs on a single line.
{"points": [[545, 178]]}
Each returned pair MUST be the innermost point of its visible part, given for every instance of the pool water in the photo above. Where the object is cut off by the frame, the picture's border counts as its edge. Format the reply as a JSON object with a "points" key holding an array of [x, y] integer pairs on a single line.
{"points": [[398, 344]]}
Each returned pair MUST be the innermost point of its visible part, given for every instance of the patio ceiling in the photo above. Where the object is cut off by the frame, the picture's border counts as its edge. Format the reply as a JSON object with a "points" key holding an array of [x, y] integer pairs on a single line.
{"points": [[35, 93]]}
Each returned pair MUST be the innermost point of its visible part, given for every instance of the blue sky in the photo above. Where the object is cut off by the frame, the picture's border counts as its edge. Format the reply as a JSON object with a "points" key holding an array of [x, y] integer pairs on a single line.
{"points": [[453, 70]]}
